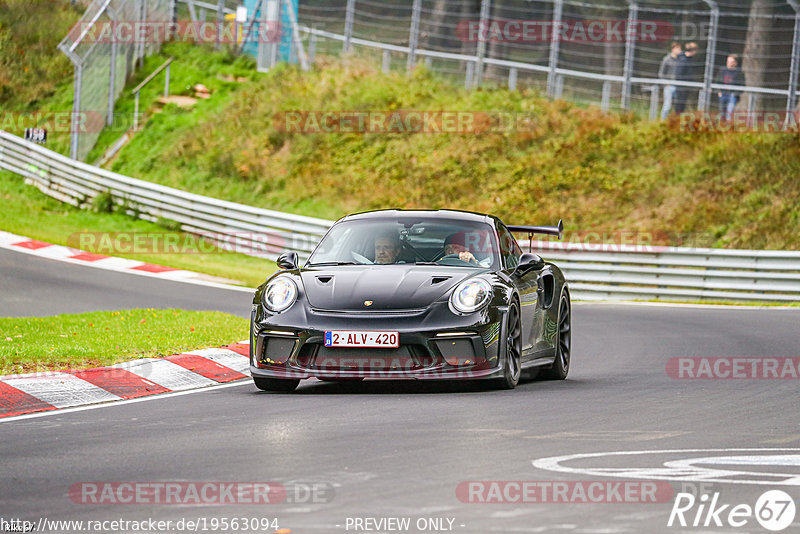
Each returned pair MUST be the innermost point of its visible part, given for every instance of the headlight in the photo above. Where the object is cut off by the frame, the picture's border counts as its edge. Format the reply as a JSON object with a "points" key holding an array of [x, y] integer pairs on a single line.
{"points": [[279, 294], [470, 295]]}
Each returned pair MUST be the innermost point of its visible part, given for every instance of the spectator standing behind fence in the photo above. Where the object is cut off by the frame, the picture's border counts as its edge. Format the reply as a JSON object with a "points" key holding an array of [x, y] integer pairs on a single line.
{"points": [[667, 71], [688, 71], [730, 74]]}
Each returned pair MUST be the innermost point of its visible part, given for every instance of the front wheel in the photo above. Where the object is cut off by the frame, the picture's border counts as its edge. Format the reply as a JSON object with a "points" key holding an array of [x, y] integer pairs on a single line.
{"points": [[513, 350], [276, 384], [560, 367]]}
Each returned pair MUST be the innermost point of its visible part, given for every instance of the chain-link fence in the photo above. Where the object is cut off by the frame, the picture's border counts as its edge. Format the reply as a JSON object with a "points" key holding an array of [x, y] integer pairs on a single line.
{"points": [[103, 61], [604, 52]]}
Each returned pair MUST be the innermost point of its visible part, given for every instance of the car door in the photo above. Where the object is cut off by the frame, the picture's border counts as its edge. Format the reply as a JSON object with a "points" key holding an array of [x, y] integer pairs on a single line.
{"points": [[527, 285]]}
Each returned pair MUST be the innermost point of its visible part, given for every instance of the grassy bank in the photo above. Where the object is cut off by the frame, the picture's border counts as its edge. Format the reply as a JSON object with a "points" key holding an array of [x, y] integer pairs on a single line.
{"points": [[104, 338], [599, 172]]}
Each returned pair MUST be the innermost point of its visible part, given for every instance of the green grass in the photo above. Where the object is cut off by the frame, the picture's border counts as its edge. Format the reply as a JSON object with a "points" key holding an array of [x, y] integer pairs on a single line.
{"points": [[26, 211], [104, 338]]}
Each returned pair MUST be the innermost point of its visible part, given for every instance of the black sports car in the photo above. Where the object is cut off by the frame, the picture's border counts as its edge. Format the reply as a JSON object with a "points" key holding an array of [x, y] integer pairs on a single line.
{"points": [[412, 294]]}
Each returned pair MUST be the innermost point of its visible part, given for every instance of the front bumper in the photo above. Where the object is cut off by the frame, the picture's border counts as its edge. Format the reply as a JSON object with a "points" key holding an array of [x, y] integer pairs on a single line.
{"points": [[462, 351]]}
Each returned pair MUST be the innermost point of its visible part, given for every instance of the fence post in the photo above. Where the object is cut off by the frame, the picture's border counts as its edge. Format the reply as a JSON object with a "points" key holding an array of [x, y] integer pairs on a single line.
{"points": [[559, 91], [312, 47], [386, 64], [558, 8], [192, 11], [791, 101], [220, 19], [413, 34], [711, 52], [112, 74], [486, 5], [136, 112], [142, 18], [76, 108], [630, 50], [605, 99], [297, 42], [654, 90], [350, 12], [275, 48], [470, 73], [512, 79]]}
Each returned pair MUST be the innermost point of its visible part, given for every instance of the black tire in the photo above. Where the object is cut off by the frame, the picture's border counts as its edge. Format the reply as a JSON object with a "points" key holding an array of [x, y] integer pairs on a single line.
{"points": [[513, 350], [276, 384], [561, 364]]}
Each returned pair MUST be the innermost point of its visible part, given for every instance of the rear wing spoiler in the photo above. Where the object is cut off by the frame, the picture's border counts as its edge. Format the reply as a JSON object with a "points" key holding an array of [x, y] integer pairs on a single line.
{"points": [[557, 230]]}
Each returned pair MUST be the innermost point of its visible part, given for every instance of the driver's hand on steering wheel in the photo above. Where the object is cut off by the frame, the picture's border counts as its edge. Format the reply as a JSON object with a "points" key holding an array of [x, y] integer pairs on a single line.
{"points": [[467, 257]]}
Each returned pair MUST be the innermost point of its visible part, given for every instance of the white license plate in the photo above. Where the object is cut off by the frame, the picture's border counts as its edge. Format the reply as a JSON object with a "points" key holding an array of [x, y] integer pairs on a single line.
{"points": [[355, 338]]}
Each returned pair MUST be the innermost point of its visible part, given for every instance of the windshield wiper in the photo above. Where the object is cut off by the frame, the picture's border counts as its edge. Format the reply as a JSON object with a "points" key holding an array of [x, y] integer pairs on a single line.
{"points": [[329, 263], [427, 263]]}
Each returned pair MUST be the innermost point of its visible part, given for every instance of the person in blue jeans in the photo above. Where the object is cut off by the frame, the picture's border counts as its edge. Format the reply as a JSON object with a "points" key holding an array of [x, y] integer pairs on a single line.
{"points": [[668, 71], [730, 74]]}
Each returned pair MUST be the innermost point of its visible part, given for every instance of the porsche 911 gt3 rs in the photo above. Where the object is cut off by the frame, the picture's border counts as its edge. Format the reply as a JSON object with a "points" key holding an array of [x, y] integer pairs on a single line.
{"points": [[419, 294]]}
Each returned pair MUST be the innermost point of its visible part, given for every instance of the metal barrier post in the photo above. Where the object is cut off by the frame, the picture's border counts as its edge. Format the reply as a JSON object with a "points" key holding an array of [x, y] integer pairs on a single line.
{"points": [[76, 109], [386, 63], [558, 8], [312, 47], [654, 90], [630, 49], [350, 11], [705, 101], [512, 79], [136, 112], [220, 19], [112, 74], [605, 98], [470, 73], [413, 34], [791, 100], [485, 7]]}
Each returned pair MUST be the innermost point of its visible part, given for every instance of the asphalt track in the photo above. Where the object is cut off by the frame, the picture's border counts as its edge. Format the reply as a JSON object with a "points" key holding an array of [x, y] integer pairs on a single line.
{"points": [[400, 449]]}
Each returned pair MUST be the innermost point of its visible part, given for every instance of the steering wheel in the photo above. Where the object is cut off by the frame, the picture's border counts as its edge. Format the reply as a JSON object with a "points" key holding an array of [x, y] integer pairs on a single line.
{"points": [[361, 259], [456, 257]]}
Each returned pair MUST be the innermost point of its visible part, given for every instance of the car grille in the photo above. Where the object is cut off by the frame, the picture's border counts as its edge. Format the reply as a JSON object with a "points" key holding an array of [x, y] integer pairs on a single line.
{"points": [[404, 358]]}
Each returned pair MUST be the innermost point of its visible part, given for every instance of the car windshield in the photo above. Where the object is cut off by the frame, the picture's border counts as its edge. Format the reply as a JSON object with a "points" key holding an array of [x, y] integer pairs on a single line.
{"points": [[408, 240]]}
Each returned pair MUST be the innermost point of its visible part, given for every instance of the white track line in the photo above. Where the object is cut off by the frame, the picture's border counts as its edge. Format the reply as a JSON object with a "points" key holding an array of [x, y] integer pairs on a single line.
{"points": [[241, 382]]}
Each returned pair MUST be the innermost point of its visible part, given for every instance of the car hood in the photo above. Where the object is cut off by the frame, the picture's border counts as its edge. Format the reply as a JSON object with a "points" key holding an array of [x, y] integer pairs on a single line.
{"points": [[386, 287]]}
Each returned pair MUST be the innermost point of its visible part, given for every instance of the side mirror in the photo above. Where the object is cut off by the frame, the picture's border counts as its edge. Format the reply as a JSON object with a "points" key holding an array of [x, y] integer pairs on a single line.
{"points": [[530, 261], [287, 260]]}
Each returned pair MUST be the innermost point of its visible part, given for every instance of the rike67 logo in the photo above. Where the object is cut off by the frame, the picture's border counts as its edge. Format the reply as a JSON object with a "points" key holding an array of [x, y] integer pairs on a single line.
{"points": [[774, 510]]}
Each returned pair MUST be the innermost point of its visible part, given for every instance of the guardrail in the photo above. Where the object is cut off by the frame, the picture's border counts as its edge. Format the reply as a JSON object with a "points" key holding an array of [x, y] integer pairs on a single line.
{"points": [[248, 229], [593, 271]]}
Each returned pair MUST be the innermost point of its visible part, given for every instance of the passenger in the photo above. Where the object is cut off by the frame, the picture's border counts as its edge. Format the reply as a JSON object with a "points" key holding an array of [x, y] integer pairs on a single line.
{"points": [[387, 248]]}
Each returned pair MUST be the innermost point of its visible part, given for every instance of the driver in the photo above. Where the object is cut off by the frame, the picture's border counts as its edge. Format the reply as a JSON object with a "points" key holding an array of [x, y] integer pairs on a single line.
{"points": [[387, 248], [456, 244]]}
